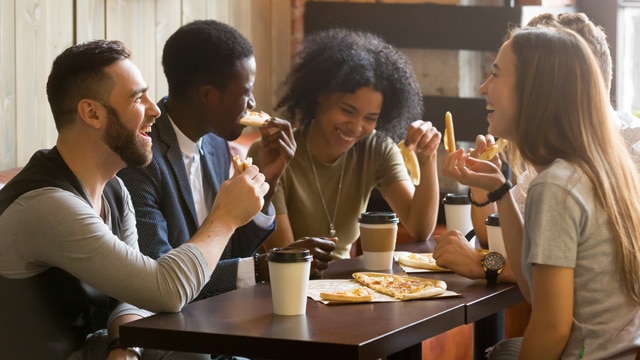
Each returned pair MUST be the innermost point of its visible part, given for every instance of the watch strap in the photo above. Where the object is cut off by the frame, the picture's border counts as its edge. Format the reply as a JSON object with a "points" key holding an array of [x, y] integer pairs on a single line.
{"points": [[491, 275]]}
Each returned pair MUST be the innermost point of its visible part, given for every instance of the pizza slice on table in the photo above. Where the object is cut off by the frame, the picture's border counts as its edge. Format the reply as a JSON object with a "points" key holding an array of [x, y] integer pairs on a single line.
{"points": [[359, 294], [401, 287], [421, 261]]}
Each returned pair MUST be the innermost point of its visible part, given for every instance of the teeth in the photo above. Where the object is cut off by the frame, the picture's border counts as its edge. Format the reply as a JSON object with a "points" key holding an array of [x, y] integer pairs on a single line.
{"points": [[346, 138], [491, 108]]}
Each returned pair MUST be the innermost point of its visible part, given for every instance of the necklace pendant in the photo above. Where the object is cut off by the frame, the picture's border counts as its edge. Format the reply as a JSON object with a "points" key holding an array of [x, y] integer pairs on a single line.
{"points": [[332, 231]]}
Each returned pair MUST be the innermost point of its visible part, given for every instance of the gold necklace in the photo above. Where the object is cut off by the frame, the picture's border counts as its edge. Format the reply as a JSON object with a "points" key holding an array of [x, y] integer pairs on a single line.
{"points": [[331, 220]]}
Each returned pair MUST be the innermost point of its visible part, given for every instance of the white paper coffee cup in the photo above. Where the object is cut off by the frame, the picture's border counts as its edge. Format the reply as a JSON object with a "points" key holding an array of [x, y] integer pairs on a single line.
{"points": [[378, 231], [457, 213], [289, 271]]}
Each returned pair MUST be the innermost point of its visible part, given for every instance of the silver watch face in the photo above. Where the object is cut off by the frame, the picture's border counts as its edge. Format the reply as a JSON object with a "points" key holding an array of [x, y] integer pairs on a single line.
{"points": [[493, 261]]}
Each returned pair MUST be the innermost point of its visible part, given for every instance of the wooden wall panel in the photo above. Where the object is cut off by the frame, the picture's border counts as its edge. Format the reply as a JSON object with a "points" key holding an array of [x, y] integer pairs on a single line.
{"points": [[34, 32], [133, 23], [252, 18], [43, 29], [89, 20], [280, 41], [168, 20], [7, 85]]}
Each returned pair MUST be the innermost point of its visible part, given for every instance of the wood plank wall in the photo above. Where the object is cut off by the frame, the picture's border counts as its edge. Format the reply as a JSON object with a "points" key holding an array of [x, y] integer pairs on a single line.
{"points": [[34, 32]]}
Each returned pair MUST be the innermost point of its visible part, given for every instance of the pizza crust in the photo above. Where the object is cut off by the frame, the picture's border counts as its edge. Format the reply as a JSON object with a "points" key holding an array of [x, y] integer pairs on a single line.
{"points": [[449, 136], [401, 287], [422, 261], [359, 294]]}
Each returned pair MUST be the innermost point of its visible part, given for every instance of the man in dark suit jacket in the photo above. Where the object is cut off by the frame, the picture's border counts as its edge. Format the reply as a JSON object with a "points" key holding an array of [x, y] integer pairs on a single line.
{"points": [[210, 69]]}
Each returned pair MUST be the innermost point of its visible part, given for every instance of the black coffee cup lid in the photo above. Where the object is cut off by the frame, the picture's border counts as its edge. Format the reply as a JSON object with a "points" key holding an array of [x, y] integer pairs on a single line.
{"points": [[456, 199], [492, 220], [291, 255], [378, 217]]}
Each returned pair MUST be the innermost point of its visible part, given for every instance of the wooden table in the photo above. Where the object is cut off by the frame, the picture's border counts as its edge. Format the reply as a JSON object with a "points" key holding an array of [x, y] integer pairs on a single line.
{"points": [[242, 323]]}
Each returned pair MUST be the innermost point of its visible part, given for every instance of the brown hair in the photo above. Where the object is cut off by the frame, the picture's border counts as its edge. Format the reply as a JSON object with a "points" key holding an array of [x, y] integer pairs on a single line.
{"points": [[563, 114], [78, 73]]}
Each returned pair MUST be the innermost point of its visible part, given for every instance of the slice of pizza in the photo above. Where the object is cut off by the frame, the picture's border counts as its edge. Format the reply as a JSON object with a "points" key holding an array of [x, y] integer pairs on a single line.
{"points": [[242, 165], [493, 150], [401, 287], [411, 162], [421, 261], [255, 118], [358, 294]]}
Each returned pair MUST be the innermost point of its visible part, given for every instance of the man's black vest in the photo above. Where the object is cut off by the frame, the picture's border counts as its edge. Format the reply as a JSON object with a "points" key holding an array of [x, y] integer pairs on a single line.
{"points": [[48, 316]]}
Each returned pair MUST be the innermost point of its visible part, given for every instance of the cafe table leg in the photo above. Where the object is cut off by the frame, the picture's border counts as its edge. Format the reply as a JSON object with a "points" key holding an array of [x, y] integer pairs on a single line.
{"points": [[411, 353], [486, 333]]}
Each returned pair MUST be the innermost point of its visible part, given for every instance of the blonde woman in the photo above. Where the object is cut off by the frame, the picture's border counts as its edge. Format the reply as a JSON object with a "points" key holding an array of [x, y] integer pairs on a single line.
{"points": [[576, 253]]}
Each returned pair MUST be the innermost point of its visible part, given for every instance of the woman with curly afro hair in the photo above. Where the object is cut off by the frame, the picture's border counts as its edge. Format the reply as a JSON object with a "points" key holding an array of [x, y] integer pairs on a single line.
{"points": [[352, 96]]}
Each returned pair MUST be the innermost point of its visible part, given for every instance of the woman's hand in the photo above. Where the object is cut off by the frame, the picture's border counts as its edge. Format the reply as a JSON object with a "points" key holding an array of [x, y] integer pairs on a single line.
{"points": [[472, 172], [423, 138]]}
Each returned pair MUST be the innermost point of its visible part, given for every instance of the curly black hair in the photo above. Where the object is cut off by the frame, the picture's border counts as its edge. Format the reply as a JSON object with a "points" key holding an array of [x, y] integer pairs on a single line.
{"points": [[342, 60], [203, 52]]}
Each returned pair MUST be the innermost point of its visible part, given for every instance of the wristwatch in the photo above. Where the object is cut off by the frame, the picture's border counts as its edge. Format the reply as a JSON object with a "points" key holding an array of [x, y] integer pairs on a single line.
{"points": [[492, 264], [115, 344]]}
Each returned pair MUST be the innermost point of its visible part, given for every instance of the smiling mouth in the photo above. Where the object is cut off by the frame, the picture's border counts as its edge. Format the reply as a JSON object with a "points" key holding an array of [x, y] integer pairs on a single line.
{"points": [[145, 130], [345, 137]]}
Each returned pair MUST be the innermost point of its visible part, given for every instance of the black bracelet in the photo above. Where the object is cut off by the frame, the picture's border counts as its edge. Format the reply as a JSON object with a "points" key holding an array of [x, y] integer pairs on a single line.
{"points": [[256, 268], [492, 196], [477, 204]]}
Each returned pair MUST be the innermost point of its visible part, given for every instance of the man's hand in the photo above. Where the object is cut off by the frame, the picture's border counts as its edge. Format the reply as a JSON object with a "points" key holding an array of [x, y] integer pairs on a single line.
{"points": [[320, 248], [276, 150], [240, 198], [453, 251]]}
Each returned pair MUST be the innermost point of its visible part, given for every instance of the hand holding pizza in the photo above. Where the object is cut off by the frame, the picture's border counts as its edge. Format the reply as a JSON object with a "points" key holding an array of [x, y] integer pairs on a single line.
{"points": [[487, 148], [419, 147], [277, 146], [250, 186], [472, 172]]}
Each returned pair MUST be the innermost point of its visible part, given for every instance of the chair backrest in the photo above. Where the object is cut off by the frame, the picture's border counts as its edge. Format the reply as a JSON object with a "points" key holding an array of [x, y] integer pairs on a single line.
{"points": [[8, 174]]}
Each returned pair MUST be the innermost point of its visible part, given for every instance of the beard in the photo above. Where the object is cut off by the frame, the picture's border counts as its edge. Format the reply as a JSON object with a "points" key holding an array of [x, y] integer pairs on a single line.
{"points": [[125, 142]]}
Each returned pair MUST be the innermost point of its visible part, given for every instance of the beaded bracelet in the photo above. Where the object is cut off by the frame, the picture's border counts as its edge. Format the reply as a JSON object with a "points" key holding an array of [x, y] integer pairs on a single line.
{"points": [[492, 196]]}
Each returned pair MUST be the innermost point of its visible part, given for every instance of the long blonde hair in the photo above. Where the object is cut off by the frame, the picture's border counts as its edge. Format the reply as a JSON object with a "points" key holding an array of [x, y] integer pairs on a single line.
{"points": [[565, 114]]}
